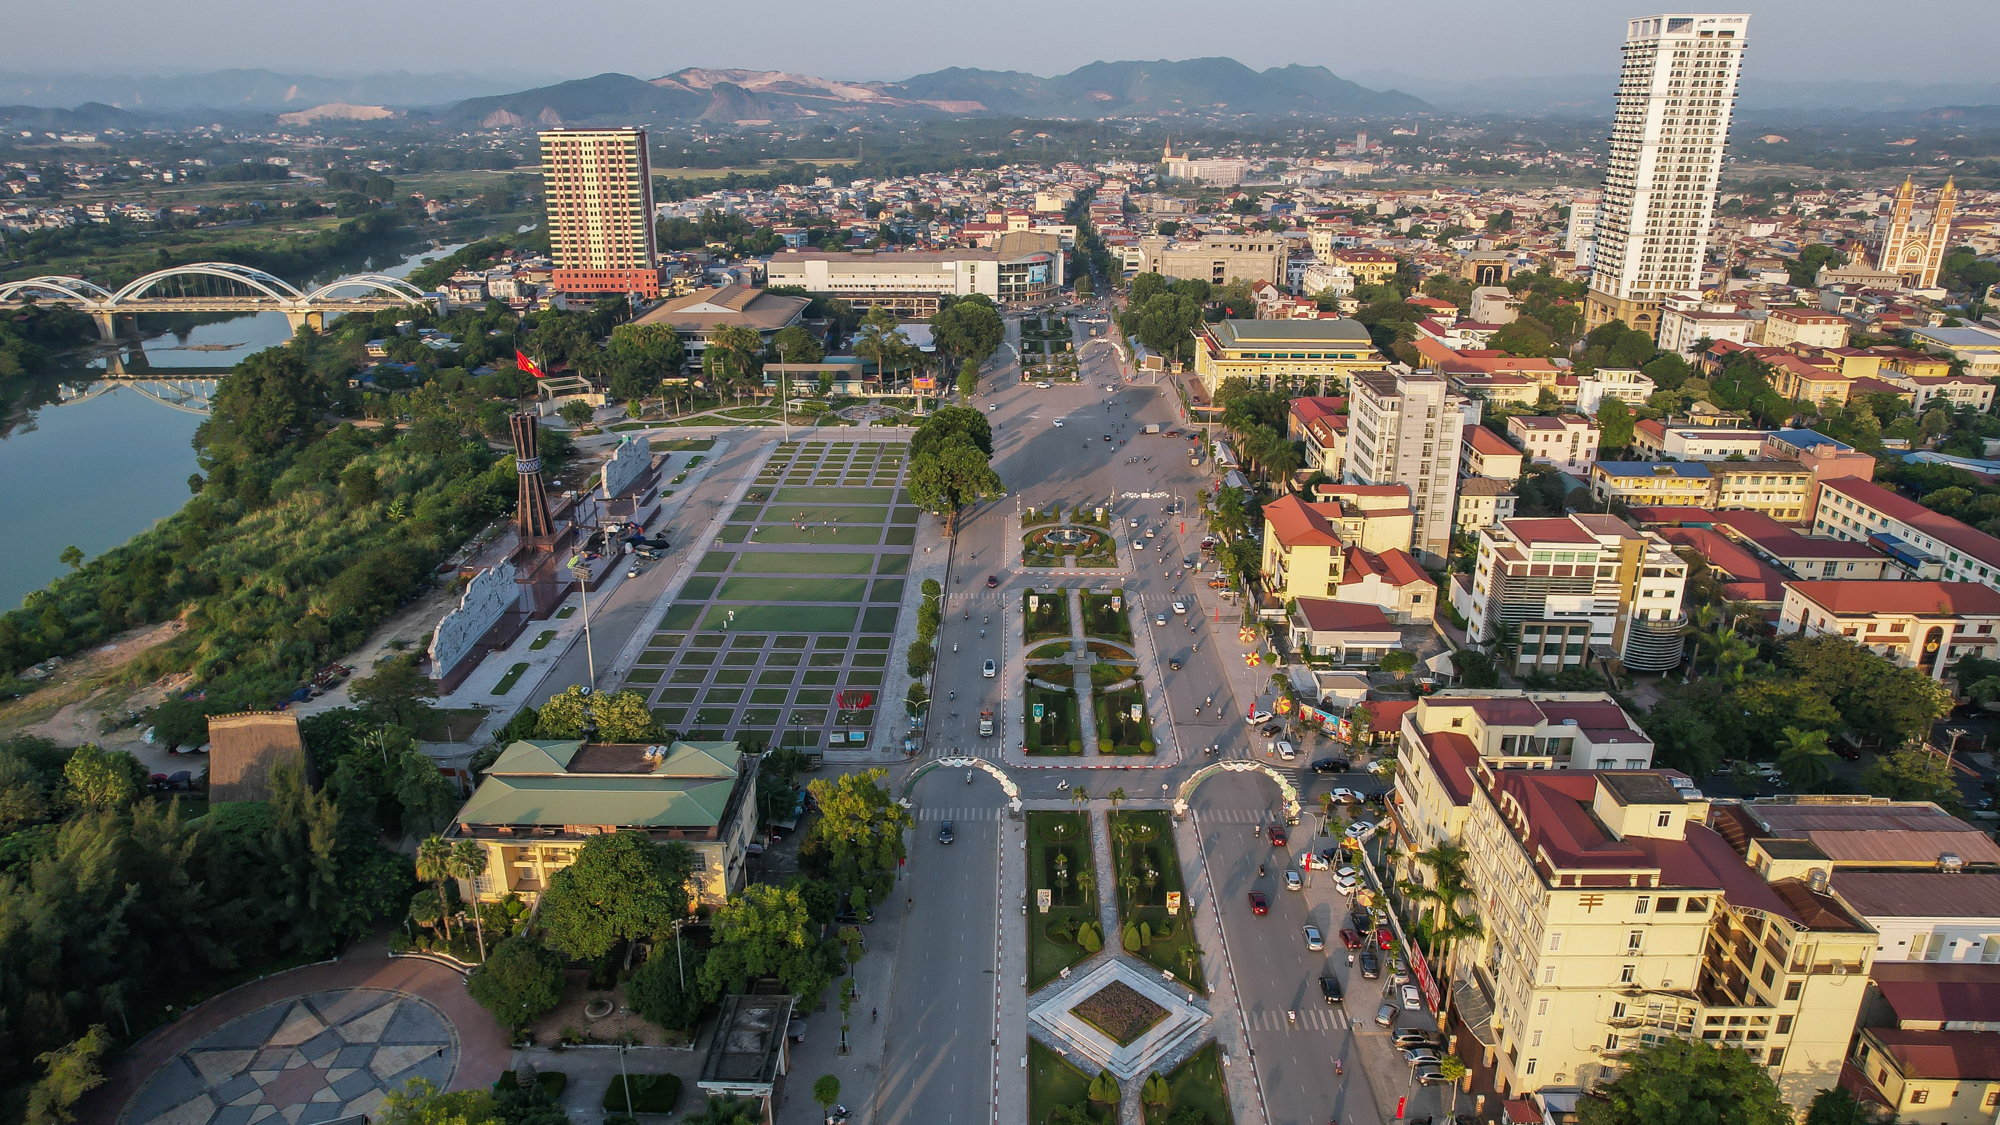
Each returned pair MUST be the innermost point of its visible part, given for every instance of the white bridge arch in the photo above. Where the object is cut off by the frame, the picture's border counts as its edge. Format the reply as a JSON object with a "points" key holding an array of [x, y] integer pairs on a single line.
{"points": [[379, 282], [56, 286], [255, 290], [270, 285], [1289, 791]]}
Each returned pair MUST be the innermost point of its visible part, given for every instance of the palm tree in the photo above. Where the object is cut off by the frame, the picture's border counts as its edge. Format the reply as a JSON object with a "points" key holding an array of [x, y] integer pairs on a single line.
{"points": [[1803, 756], [1115, 796], [1079, 796], [737, 348], [1734, 657], [434, 866], [1086, 882], [882, 341], [1505, 642], [468, 862], [1280, 462]]}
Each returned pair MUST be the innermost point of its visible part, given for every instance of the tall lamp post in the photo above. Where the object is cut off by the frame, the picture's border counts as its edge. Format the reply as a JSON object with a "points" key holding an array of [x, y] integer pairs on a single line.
{"points": [[784, 397], [583, 586]]}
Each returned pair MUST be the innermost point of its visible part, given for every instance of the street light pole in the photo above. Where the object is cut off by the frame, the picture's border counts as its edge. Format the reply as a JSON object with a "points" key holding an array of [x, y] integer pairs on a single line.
{"points": [[784, 396]]}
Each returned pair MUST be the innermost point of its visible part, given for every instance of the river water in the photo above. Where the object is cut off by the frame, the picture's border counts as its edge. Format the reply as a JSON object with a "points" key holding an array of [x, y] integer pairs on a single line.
{"points": [[91, 462]]}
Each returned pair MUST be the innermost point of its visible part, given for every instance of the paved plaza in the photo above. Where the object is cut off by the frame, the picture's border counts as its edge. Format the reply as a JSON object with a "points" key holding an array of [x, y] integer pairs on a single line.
{"points": [[795, 603]]}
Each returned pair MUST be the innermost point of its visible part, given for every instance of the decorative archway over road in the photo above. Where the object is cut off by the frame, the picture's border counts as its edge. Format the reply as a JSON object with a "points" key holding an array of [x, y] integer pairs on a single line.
{"points": [[1007, 786], [1239, 765]]}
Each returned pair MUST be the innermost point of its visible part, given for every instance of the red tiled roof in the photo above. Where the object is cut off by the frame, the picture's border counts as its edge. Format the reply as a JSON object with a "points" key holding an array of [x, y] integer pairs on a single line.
{"points": [[1328, 615], [1752, 578], [1860, 596], [1296, 524], [1312, 408], [1394, 567], [1954, 1055], [1666, 514], [1936, 991], [1978, 544], [1454, 759], [1548, 531]]}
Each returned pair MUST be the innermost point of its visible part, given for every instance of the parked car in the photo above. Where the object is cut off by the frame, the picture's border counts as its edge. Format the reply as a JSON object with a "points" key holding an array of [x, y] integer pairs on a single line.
{"points": [[1414, 1037], [1346, 879], [1433, 1077], [1361, 919], [1413, 1000], [1270, 730], [1286, 750], [1310, 862], [1371, 965], [1329, 987], [1344, 797], [1350, 939], [1384, 937], [1420, 1056], [1386, 1015], [1259, 717], [1314, 939], [1294, 881], [796, 1031], [1258, 904]]}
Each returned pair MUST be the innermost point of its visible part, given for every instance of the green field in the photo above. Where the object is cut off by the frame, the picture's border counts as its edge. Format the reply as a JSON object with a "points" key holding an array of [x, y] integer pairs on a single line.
{"points": [[813, 618], [837, 536], [832, 494], [806, 562], [792, 590]]}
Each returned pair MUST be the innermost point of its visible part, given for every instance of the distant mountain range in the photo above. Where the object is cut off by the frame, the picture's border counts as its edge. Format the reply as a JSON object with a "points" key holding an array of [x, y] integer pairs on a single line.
{"points": [[261, 90], [1192, 87]]}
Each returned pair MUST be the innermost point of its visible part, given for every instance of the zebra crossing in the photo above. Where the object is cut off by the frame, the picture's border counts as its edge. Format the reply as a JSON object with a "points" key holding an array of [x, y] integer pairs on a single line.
{"points": [[922, 813], [1235, 816], [1321, 1018]]}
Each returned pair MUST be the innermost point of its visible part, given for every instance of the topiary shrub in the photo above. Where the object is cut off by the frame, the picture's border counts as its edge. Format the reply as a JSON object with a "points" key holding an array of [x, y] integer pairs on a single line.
{"points": [[1104, 746], [1088, 937], [1076, 745], [1146, 746]]}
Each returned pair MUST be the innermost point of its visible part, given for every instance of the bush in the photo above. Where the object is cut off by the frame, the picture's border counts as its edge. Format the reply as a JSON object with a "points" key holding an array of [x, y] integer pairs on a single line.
{"points": [[1132, 940], [1088, 937], [1146, 746], [1076, 745], [550, 1082], [1104, 746], [518, 982], [651, 1093]]}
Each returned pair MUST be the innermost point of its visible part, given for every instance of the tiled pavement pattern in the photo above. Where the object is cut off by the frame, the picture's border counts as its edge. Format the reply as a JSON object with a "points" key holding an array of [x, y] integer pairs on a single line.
{"points": [[309, 1059], [812, 565]]}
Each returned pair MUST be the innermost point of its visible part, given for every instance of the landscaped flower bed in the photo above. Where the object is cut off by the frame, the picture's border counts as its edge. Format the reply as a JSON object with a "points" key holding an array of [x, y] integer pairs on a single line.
{"points": [[1119, 1012]]}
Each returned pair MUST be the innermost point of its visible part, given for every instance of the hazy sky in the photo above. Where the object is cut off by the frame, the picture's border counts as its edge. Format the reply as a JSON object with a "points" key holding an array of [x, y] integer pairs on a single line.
{"points": [[1921, 40]]}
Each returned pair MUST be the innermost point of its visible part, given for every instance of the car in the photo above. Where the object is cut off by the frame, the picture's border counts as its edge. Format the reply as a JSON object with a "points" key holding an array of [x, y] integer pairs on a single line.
{"points": [[1135, 523], [1260, 717], [632, 573], [1329, 987], [1159, 619], [1311, 862], [1173, 665], [992, 581], [1360, 831], [1107, 437], [1399, 969], [1258, 904], [1383, 937], [1271, 730], [1344, 886], [1293, 881], [1329, 765], [1415, 1037], [1433, 1077], [987, 670], [1042, 386], [1314, 940], [796, 1031], [1151, 532], [1190, 560], [1420, 1056], [945, 834], [1347, 874], [1286, 750], [1844, 750], [1386, 1015], [1344, 796], [1361, 919], [1138, 544], [1208, 543], [1180, 607], [1350, 939], [1277, 834], [1057, 423], [1371, 965]]}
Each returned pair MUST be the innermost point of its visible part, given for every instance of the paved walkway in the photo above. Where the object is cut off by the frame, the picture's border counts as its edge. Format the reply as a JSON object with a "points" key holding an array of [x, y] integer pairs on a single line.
{"points": [[272, 1045], [1086, 714]]}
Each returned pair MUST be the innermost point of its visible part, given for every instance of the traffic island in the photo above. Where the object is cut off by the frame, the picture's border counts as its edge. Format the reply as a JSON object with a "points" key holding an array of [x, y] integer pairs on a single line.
{"points": [[1044, 615], [1106, 613], [1148, 874], [1122, 726], [1113, 987], [1066, 931], [1050, 722]]}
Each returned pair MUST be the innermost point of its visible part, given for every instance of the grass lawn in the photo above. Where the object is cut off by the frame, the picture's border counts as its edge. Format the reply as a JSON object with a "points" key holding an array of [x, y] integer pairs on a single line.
{"points": [[1052, 1082], [833, 494], [813, 618], [683, 445], [1197, 1083], [1052, 835], [827, 513], [1049, 618], [739, 589], [806, 562], [1100, 620], [1059, 721], [683, 615], [1114, 721], [714, 562], [507, 681], [837, 536], [542, 641], [1151, 848]]}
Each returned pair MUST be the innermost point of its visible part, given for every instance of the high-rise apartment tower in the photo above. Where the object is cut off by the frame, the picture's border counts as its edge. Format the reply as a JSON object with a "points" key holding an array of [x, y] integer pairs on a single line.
{"points": [[1405, 429], [1676, 92], [598, 185]]}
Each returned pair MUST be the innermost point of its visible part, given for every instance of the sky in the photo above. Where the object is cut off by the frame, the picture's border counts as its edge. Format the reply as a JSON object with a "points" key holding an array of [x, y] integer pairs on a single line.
{"points": [[1915, 40]]}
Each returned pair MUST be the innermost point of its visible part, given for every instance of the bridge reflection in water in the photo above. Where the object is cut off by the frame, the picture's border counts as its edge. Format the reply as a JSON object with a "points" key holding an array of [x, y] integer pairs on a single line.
{"points": [[190, 395]]}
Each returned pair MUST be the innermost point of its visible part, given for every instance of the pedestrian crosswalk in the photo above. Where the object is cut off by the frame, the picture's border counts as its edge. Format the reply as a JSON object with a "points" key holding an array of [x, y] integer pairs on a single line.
{"points": [[922, 814], [1321, 1018], [1235, 816]]}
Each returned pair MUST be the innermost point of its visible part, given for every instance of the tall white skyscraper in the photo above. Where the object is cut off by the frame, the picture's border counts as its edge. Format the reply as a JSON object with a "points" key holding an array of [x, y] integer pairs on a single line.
{"points": [[1405, 429], [1676, 92]]}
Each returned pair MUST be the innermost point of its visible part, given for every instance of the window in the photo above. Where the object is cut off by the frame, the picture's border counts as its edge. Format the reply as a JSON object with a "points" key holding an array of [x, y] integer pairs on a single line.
{"points": [[1555, 941], [1794, 989], [1919, 1096], [1635, 940], [1542, 1006], [1625, 973], [1666, 820], [1697, 906], [1667, 906], [1535, 1039], [1989, 949], [1548, 974], [1531, 1062], [1640, 904], [1784, 1024], [1770, 976], [1618, 1010], [1992, 1098], [1777, 1057]]}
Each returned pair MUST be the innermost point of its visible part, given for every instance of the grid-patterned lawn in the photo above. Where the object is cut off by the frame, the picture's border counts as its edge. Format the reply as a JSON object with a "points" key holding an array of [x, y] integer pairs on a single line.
{"points": [[811, 565]]}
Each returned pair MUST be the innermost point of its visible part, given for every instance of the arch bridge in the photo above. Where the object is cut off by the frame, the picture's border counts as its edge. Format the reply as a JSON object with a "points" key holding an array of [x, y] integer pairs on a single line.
{"points": [[187, 395], [216, 287]]}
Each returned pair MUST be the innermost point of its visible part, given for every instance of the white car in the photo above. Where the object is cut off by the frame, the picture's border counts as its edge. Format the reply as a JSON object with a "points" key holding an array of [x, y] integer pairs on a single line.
{"points": [[1413, 1001], [1135, 521], [1361, 831], [1057, 423], [1042, 386], [1313, 939], [1159, 619], [1180, 607], [1344, 880], [1293, 882], [1259, 716], [1311, 862], [1138, 544], [1150, 531], [1286, 750], [1345, 797], [988, 670]]}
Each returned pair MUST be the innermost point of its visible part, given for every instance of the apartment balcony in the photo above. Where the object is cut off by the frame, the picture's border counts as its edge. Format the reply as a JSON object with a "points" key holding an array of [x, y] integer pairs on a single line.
{"points": [[1654, 646]]}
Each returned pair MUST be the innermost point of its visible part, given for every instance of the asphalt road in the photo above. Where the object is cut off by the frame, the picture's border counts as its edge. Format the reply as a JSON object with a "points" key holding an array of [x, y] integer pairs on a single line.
{"points": [[937, 1061]]}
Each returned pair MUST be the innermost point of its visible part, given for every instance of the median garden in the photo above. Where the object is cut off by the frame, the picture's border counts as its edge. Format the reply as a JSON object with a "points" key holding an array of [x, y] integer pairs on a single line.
{"points": [[1149, 879], [1059, 861]]}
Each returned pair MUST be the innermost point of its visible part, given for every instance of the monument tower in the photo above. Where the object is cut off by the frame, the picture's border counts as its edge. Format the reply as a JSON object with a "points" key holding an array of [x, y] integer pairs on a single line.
{"points": [[531, 514]]}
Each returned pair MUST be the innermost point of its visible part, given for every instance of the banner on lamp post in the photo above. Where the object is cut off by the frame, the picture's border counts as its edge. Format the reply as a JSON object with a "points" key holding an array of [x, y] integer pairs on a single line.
{"points": [[1043, 899], [1173, 902]]}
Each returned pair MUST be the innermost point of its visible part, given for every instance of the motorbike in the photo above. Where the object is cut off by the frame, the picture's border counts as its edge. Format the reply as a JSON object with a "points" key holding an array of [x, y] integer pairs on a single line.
{"points": [[968, 777]]}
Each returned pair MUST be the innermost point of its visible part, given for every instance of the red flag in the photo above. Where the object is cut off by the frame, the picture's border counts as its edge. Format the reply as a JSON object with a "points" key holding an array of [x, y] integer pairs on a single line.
{"points": [[522, 361]]}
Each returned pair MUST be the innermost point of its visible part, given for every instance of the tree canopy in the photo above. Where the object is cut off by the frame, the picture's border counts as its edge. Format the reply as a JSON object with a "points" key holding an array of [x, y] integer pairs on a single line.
{"points": [[619, 716], [1678, 1081], [518, 982], [622, 886], [859, 834], [766, 931]]}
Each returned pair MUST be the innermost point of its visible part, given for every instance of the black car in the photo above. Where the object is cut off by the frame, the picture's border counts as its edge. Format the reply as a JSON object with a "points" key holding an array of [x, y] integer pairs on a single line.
{"points": [[1371, 966], [851, 917], [1330, 765], [945, 834], [1271, 730], [1361, 919], [1329, 987]]}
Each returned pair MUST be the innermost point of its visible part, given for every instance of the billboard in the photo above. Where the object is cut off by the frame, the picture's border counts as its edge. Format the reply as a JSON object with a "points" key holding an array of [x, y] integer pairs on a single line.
{"points": [[924, 382]]}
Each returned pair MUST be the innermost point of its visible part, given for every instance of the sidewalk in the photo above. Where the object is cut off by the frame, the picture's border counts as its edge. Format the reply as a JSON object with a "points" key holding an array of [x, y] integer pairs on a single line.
{"points": [[930, 558]]}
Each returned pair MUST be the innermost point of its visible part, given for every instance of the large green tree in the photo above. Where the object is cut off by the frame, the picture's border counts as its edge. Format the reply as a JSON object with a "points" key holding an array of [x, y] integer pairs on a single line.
{"points": [[859, 833], [396, 692], [667, 988], [1615, 423], [947, 423], [944, 480], [968, 329], [518, 982], [1874, 697], [621, 887], [1678, 1081], [620, 716], [641, 356], [766, 931], [1913, 773]]}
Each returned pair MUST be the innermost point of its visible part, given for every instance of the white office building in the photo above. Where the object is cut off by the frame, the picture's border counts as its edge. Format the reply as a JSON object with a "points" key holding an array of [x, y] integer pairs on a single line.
{"points": [[1676, 93], [1405, 428]]}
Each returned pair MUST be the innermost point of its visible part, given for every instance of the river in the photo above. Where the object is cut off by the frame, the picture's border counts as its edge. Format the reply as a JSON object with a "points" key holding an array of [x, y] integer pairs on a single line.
{"points": [[88, 462]]}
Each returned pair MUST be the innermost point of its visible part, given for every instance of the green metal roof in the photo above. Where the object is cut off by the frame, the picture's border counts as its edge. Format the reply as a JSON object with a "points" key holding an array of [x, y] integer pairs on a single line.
{"points": [[1291, 333], [536, 757], [702, 759], [627, 802]]}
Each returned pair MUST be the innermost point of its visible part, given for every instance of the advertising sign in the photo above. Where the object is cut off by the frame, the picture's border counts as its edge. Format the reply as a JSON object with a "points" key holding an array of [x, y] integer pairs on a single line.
{"points": [[924, 382], [1421, 969], [1137, 710], [1034, 603], [1173, 902], [1038, 712], [1043, 899], [1117, 603]]}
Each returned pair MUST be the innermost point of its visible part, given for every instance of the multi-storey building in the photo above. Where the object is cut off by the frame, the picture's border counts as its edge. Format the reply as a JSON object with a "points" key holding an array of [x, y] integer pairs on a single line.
{"points": [[1483, 502], [1216, 259], [598, 187], [1023, 266], [1566, 441], [1487, 454], [1808, 328], [1616, 918], [1405, 428], [1652, 483], [1347, 547], [1658, 440], [1626, 384], [1916, 624], [1676, 93], [1573, 585], [1321, 423], [1306, 353], [1580, 233], [1778, 489], [1922, 543]]}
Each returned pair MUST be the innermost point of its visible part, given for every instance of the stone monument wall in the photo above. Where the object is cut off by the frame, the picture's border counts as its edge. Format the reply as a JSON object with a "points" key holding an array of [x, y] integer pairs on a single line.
{"points": [[628, 463], [487, 599]]}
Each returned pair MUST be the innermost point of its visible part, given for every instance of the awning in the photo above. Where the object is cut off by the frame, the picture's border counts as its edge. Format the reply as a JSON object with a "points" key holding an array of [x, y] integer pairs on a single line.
{"points": [[1474, 1010]]}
